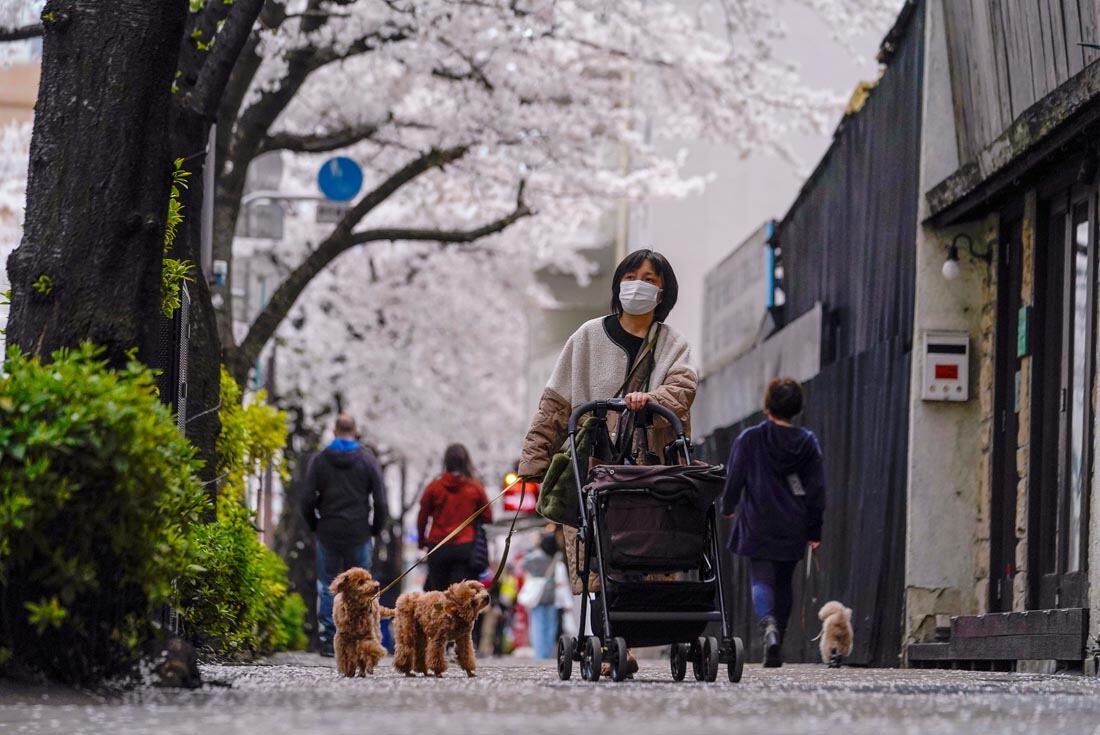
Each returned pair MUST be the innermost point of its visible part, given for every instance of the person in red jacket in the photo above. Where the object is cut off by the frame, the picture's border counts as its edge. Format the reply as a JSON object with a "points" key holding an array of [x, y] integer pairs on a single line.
{"points": [[448, 500]]}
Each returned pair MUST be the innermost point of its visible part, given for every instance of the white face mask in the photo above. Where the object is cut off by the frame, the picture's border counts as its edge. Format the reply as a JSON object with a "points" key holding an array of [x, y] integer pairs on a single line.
{"points": [[638, 297]]}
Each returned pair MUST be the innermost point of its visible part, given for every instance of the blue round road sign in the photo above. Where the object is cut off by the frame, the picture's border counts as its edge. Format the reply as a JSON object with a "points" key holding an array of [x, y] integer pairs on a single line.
{"points": [[340, 179]]}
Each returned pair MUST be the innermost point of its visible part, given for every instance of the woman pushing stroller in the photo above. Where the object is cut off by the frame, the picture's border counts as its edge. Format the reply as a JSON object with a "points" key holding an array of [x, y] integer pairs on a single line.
{"points": [[629, 353]]}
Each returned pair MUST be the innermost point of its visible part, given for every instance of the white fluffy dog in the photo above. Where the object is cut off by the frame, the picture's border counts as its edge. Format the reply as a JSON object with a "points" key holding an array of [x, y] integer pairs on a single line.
{"points": [[836, 633]]}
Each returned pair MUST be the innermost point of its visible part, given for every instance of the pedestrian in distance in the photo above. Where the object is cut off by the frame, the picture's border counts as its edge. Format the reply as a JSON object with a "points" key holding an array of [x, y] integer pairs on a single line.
{"points": [[344, 504], [775, 491], [449, 500], [540, 569]]}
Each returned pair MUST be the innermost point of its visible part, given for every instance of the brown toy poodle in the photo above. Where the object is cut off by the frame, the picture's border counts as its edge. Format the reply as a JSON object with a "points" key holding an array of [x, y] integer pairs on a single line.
{"points": [[425, 621], [356, 612]]}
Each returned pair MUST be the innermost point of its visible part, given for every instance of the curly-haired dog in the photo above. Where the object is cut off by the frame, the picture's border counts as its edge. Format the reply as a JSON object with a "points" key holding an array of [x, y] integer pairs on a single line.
{"points": [[836, 633], [425, 621], [356, 612]]}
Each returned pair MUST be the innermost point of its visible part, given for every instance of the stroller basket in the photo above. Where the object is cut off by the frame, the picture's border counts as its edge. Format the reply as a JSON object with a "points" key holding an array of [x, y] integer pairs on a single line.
{"points": [[684, 605], [648, 533], [662, 596], [656, 517], [638, 522]]}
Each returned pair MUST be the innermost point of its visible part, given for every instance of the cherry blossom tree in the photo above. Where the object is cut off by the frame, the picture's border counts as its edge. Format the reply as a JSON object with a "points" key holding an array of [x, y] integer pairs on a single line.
{"points": [[471, 115], [475, 116], [510, 124]]}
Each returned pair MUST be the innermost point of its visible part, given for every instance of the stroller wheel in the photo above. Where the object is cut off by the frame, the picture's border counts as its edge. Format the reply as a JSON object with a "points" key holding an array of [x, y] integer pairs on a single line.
{"points": [[698, 662], [736, 665], [677, 659], [711, 655], [591, 659], [617, 652], [566, 644]]}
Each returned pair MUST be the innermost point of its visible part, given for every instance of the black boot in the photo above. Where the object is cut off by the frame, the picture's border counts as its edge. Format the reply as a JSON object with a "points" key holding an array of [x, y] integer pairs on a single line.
{"points": [[772, 642]]}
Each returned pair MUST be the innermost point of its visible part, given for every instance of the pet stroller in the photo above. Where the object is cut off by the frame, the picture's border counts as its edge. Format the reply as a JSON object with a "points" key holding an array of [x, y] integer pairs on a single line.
{"points": [[650, 534]]}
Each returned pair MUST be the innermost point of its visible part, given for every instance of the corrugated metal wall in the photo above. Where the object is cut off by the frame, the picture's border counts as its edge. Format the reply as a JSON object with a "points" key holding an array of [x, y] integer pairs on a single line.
{"points": [[849, 242]]}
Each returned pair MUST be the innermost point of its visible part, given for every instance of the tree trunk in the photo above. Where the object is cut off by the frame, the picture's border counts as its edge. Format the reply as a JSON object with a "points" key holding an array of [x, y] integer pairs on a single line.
{"points": [[89, 264]]}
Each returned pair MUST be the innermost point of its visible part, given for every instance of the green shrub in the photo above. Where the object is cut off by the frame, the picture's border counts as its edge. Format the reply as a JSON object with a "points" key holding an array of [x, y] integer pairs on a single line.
{"points": [[233, 606], [97, 491], [237, 604], [293, 621]]}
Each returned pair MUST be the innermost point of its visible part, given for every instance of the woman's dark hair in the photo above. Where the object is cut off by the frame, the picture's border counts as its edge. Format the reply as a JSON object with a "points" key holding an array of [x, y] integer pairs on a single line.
{"points": [[783, 398], [632, 263], [457, 460]]}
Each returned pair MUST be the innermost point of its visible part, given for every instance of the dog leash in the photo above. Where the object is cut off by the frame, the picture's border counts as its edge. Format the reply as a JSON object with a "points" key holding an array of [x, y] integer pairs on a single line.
{"points": [[446, 539], [512, 530], [811, 559]]}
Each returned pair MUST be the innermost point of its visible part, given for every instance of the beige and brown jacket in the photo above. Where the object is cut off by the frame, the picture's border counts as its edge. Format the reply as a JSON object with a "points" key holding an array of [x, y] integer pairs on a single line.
{"points": [[592, 367]]}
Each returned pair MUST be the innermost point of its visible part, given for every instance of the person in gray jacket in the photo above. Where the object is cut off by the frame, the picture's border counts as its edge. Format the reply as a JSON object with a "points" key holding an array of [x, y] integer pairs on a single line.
{"points": [[538, 565]]}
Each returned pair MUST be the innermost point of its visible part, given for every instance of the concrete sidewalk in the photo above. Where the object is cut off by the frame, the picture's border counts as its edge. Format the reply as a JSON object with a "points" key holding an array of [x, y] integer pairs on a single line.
{"points": [[301, 693]]}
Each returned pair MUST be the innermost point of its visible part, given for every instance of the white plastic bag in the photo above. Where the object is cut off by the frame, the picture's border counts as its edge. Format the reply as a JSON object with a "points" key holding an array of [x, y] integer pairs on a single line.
{"points": [[531, 591]]}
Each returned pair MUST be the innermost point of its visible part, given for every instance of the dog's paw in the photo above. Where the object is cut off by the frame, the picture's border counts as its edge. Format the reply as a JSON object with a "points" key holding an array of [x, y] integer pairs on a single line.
{"points": [[471, 674]]}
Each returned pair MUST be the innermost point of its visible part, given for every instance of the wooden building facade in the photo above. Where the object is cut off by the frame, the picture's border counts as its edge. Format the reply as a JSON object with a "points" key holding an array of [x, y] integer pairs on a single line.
{"points": [[1025, 98]]}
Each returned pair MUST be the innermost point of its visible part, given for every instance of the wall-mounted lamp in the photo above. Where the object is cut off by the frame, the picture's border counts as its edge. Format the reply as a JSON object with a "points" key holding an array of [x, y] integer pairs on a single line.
{"points": [[951, 265]]}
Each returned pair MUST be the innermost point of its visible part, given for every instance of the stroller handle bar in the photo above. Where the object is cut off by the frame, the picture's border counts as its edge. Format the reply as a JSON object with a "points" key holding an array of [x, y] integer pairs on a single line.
{"points": [[618, 405]]}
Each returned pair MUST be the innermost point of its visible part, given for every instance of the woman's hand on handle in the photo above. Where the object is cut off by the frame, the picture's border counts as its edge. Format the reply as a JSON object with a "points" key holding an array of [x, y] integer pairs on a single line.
{"points": [[815, 545], [636, 401]]}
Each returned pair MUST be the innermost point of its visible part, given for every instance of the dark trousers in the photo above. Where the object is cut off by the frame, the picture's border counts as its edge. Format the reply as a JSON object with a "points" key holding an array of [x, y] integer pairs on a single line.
{"points": [[331, 561], [450, 564], [771, 589]]}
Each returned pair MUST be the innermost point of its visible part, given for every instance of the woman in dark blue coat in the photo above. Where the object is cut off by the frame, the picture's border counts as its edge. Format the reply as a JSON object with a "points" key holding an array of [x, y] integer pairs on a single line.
{"points": [[776, 473]]}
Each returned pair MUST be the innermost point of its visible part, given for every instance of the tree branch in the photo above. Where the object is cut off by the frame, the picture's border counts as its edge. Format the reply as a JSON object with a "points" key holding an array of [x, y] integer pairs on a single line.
{"points": [[394, 234], [213, 77], [341, 240], [474, 73], [253, 123], [320, 142], [198, 38], [22, 33], [434, 158], [237, 148], [369, 42], [244, 71], [318, 14]]}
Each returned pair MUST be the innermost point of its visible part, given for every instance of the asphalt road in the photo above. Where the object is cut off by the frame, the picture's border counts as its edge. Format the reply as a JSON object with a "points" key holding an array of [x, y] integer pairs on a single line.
{"points": [[300, 693]]}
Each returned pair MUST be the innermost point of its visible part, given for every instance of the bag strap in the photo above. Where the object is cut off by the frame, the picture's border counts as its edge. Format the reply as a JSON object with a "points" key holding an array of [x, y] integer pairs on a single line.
{"points": [[649, 346]]}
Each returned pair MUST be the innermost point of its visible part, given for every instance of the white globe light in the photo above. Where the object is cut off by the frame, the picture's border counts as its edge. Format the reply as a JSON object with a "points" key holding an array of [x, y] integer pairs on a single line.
{"points": [[951, 269]]}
